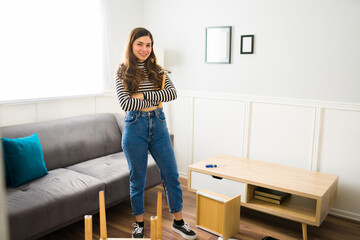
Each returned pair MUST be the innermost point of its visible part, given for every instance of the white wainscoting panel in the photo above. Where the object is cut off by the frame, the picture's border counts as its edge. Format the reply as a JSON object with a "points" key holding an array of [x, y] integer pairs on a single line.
{"points": [[180, 113], [105, 104], [48, 109], [65, 108], [281, 134], [316, 135], [339, 154], [14, 114], [218, 127]]}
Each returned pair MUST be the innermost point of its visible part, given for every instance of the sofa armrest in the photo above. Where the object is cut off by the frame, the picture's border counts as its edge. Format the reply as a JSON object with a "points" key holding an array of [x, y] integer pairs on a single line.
{"points": [[120, 120]]}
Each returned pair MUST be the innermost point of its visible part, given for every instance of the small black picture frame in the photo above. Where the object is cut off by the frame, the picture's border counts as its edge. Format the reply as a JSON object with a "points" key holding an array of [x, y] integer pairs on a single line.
{"points": [[247, 44]]}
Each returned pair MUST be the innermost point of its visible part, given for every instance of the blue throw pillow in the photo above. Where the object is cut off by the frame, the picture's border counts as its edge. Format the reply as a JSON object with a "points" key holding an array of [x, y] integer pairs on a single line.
{"points": [[24, 159], [6, 172], [7, 175]]}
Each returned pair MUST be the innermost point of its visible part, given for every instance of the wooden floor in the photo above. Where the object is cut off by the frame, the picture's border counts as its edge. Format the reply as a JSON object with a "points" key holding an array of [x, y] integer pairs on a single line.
{"points": [[253, 225]]}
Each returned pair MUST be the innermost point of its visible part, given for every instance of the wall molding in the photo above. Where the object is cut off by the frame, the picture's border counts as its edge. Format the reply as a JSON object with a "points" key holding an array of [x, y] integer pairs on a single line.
{"points": [[246, 129], [316, 139], [191, 131], [315, 127], [317, 106], [272, 100], [52, 99], [33, 110], [345, 214]]}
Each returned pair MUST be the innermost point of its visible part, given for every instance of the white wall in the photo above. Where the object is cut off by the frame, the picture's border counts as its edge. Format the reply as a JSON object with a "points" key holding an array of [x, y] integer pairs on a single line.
{"points": [[339, 152], [294, 102], [303, 49], [283, 104], [121, 17]]}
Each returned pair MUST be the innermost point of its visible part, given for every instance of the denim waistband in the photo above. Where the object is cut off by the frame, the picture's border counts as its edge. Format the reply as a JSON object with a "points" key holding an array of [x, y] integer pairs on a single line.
{"points": [[146, 114]]}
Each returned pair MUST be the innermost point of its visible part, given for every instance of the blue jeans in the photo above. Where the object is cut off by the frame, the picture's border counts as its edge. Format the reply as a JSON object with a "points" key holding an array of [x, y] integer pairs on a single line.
{"points": [[144, 132]]}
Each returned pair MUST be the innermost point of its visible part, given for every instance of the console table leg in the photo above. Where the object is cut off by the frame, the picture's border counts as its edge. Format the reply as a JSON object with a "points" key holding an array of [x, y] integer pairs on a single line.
{"points": [[304, 231]]}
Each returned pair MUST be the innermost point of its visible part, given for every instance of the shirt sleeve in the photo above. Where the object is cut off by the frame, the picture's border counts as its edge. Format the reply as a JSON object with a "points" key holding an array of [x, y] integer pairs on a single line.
{"points": [[165, 95], [127, 103]]}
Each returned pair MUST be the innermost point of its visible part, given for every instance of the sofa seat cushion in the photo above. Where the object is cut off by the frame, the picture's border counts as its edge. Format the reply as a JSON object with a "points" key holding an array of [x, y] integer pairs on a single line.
{"points": [[114, 172], [51, 201]]}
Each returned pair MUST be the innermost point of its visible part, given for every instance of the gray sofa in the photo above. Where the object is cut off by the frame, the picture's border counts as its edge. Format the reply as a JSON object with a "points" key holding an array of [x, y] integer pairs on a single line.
{"points": [[83, 156]]}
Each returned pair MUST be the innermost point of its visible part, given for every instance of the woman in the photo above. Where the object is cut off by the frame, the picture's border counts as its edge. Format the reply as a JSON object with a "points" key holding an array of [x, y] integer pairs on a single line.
{"points": [[138, 87]]}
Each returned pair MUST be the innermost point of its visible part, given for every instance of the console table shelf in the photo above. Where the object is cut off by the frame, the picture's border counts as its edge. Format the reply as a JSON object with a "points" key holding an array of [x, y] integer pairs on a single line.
{"points": [[312, 194], [285, 210]]}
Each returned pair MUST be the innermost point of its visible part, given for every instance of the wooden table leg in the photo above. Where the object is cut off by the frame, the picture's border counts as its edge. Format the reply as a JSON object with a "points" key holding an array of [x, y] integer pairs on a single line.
{"points": [[88, 227], [153, 228], [304, 231], [159, 214], [102, 213]]}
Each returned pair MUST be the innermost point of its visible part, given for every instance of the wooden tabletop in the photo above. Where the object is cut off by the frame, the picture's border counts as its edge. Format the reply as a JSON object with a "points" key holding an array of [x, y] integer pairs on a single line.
{"points": [[283, 178]]}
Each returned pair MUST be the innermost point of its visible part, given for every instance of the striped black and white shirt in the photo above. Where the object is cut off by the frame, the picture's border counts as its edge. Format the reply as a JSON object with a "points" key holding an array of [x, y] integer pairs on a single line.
{"points": [[152, 94]]}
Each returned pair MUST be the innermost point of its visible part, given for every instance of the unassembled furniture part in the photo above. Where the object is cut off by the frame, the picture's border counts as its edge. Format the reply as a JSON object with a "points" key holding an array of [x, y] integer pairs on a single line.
{"points": [[218, 214], [155, 221]]}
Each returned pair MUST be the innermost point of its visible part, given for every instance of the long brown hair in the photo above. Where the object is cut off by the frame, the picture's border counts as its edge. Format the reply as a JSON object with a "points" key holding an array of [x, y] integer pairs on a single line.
{"points": [[128, 71]]}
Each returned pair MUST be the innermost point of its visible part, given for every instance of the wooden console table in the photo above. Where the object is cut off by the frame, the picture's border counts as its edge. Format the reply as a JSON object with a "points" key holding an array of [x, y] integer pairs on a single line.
{"points": [[312, 193]]}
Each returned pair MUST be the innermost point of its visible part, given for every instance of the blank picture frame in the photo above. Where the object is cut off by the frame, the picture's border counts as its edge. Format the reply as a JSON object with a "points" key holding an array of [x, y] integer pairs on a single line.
{"points": [[247, 44], [218, 45]]}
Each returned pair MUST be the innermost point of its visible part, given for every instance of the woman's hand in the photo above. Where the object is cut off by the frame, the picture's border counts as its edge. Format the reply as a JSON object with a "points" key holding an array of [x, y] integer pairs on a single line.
{"points": [[138, 96]]}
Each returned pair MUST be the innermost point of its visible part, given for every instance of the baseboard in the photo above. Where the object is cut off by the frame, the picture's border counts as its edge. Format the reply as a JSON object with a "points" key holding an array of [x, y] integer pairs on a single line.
{"points": [[345, 214], [183, 175]]}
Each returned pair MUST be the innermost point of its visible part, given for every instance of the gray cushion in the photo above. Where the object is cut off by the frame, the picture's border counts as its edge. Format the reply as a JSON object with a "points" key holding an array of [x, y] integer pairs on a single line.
{"points": [[72, 140], [114, 172], [42, 204]]}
